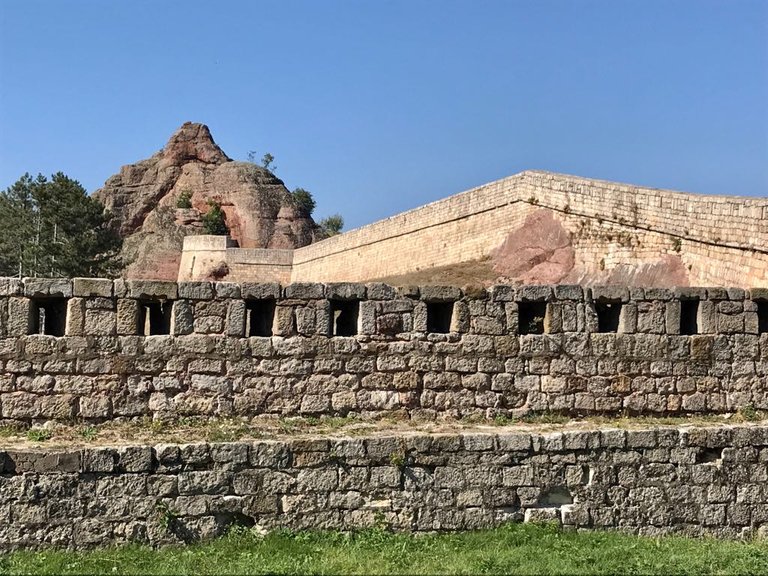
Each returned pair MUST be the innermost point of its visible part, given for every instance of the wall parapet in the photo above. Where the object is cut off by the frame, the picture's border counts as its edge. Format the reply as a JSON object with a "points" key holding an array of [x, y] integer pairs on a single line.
{"points": [[97, 349], [652, 481]]}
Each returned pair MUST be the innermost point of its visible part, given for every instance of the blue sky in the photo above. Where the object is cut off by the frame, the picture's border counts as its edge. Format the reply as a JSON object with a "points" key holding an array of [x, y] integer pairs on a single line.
{"points": [[380, 106]]}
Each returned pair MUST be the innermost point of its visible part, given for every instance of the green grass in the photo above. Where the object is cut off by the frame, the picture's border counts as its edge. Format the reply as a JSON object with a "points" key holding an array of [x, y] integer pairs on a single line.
{"points": [[512, 549]]}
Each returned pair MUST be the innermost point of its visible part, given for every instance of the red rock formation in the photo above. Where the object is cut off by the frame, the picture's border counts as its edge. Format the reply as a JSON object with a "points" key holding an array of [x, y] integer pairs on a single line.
{"points": [[144, 196]]}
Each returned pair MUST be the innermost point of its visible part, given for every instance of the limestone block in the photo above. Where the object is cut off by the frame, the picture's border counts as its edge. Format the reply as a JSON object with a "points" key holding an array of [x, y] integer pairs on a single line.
{"points": [[754, 293], [96, 407], [553, 318], [533, 293], [420, 317], [182, 319], [707, 317], [379, 291], [569, 292], [689, 293], [502, 293], [716, 293], [19, 317], [305, 320], [261, 291], [370, 325], [127, 316], [57, 407], [20, 405], [149, 289], [75, 325], [304, 291], [736, 293], [195, 290], [460, 321], [99, 322], [10, 287], [235, 323], [100, 287], [672, 317], [323, 318], [628, 319], [730, 324], [440, 293], [345, 291], [36, 287], [609, 293], [230, 290]]}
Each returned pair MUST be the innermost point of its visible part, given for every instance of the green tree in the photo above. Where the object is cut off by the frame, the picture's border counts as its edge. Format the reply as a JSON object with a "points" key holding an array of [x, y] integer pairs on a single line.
{"points": [[303, 200], [332, 225], [215, 221], [52, 228]]}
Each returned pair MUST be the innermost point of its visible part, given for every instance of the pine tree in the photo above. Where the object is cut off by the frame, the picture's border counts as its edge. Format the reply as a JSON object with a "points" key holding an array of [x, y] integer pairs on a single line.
{"points": [[52, 228]]}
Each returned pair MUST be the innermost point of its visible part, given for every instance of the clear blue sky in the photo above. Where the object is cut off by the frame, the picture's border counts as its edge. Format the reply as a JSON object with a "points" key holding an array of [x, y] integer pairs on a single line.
{"points": [[379, 106]]}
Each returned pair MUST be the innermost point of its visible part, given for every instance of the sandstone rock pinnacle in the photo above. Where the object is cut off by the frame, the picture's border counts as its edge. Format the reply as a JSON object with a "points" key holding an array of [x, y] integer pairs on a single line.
{"points": [[144, 197]]}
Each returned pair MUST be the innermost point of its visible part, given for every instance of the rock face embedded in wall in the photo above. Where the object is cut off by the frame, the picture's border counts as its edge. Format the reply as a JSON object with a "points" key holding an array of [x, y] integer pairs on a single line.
{"points": [[539, 252], [143, 197]]}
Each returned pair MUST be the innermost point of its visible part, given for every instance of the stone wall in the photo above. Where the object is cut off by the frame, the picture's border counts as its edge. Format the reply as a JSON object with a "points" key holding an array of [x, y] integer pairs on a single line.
{"points": [[722, 240], [97, 349], [203, 256], [652, 481]]}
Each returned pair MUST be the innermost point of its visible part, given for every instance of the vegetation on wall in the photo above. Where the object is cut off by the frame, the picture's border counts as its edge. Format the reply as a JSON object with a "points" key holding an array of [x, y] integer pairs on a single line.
{"points": [[215, 220], [52, 228], [331, 225]]}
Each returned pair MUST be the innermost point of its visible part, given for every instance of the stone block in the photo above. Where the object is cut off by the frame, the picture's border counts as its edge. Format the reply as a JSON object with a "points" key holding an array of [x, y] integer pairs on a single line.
{"points": [[672, 317], [569, 292], [609, 293], [235, 322], [75, 325], [345, 291], [182, 317], [502, 293], [379, 291], [127, 316], [533, 293], [440, 293], [151, 289], [304, 291], [658, 294], [265, 291], [195, 290], [41, 287], [11, 287], [100, 323], [229, 290], [135, 459], [92, 287]]}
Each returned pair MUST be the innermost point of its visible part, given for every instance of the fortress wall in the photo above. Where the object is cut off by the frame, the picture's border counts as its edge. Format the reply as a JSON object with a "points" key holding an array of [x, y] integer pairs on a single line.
{"points": [[723, 239], [134, 349], [203, 254], [691, 480]]}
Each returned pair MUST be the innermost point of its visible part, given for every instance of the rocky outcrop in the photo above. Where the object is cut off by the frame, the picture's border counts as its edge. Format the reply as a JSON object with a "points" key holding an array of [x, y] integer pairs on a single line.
{"points": [[144, 198]]}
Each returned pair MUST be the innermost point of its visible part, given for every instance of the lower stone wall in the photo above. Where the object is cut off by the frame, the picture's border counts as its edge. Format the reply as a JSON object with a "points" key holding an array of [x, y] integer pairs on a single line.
{"points": [[708, 480]]}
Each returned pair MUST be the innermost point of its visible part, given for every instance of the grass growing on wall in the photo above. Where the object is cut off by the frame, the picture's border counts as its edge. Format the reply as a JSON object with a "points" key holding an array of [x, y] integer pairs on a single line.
{"points": [[511, 549]]}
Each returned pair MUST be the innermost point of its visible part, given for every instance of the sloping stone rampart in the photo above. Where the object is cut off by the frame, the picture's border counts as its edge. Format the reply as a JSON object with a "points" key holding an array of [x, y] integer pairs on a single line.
{"points": [[134, 349], [692, 481], [721, 240]]}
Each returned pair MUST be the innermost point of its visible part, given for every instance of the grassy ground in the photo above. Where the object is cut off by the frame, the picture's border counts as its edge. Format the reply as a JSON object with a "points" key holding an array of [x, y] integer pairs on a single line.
{"points": [[512, 549], [147, 431]]}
